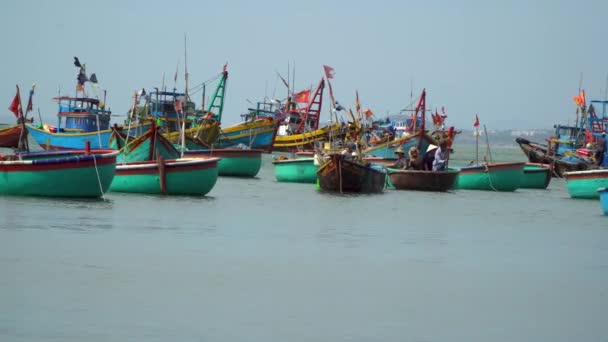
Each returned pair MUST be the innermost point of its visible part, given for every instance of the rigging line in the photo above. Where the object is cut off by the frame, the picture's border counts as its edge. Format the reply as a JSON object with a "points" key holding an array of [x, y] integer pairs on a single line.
{"points": [[98, 178]]}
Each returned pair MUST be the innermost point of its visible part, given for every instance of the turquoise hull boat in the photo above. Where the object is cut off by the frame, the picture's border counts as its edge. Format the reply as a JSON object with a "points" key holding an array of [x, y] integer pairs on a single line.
{"points": [[171, 177], [536, 176], [493, 176], [234, 162], [603, 199], [72, 173], [584, 184], [299, 170]]}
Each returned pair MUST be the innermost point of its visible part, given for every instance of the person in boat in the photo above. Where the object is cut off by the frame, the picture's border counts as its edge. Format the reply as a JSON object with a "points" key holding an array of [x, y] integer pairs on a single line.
{"points": [[348, 152], [441, 156], [429, 157], [415, 160], [601, 148], [401, 162]]}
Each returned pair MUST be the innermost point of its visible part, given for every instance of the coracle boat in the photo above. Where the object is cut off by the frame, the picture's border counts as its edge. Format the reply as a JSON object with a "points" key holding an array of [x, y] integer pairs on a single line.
{"points": [[296, 170], [504, 176], [536, 176], [603, 199], [339, 175], [235, 162], [423, 180], [584, 184], [73, 173]]}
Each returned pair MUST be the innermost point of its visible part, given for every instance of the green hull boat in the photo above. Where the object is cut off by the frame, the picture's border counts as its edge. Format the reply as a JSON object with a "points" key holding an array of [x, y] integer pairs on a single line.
{"points": [[299, 170], [492, 176], [584, 184], [188, 176], [536, 176], [234, 162], [73, 173]]}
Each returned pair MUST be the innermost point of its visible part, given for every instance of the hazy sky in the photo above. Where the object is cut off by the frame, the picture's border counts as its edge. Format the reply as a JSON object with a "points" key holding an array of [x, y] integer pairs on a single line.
{"points": [[516, 63]]}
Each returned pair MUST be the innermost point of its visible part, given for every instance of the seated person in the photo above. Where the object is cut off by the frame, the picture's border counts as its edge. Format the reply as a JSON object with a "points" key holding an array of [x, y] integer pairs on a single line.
{"points": [[441, 156], [347, 153], [428, 157], [415, 162], [401, 162]]}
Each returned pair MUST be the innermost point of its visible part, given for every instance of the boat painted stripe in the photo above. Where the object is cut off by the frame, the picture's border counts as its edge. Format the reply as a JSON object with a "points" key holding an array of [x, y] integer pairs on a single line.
{"points": [[56, 166]]}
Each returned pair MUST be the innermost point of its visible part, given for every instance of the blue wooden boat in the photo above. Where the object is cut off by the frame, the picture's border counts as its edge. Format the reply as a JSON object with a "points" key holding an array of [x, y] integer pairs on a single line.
{"points": [[80, 119], [603, 199]]}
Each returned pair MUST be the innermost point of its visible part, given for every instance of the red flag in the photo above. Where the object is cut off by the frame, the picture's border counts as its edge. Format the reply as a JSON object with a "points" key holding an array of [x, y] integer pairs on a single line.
{"points": [[329, 71], [303, 96], [357, 103], [15, 106], [476, 123], [582, 96], [178, 105], [368, 113], [225, 69]]}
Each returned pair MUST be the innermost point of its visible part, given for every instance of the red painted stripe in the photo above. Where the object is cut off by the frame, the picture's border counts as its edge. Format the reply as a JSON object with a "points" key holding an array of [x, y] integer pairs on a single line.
{"points": [[225, 153], [56, 166]]}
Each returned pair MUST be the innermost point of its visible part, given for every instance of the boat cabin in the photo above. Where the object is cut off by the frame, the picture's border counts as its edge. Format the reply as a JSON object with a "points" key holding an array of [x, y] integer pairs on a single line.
{"points": [[162, 106], [82, 115]]}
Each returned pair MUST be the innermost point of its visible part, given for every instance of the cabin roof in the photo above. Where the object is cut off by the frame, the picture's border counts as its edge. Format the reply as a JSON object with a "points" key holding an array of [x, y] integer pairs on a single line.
{"points": [[81, 99]]}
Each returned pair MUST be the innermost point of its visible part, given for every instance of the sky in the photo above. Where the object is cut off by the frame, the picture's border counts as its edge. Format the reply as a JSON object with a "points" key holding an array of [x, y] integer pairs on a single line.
{"points": [[517, 64]]}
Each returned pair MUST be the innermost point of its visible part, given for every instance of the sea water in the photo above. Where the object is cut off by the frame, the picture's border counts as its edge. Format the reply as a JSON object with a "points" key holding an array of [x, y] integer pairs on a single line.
{"points": [[258, 260]]}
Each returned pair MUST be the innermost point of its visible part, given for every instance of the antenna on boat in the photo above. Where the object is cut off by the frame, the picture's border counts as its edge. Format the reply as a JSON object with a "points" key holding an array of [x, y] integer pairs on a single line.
{"points": [[185, 105], [488, 152], [606, 89]]}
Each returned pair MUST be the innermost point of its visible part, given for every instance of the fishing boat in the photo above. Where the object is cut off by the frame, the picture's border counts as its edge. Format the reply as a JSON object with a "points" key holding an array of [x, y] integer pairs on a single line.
{"points": [[423, 180], [339, 175], [502, 176], [536, 176], [9, 136], [538, 153], [295, 170], [80, 119], [151, 164], [584, 184], [235, 162], [74, 173], [603, 192], [574, 148]]}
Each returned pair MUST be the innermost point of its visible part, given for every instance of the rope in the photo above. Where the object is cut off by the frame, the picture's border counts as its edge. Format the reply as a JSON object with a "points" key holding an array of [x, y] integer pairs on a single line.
{"points": [[98, 178], [487, 169]]}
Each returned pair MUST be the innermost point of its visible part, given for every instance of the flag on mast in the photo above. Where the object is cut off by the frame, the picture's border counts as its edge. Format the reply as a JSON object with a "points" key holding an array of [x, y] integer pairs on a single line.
{"points": [[15, 106], [329, 71], [476, 123], [30, 105]]}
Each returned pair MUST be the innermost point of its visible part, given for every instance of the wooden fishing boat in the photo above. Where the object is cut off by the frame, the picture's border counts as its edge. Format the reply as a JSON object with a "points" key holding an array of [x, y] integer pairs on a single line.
{"points": [[74, 173], [296, 170], [9, 136], [307, 140], [188, 176], [540, 154], [536, 176], [423, 180], [340, 175], [234, 162], [259, 134], [504, 176], [584, 184], [603, 192]]}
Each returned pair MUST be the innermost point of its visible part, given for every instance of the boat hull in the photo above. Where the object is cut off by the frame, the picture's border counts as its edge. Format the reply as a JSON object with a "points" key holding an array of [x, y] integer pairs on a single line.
{"points": [[259, 134], [63, 141], [299, 170], [304, 141], [65, 174], [175, 177], [537, 153], [494, 176], [423, 180], [234, 162], [387, 149], [9, 136], [536, 176], [338, 175], [584, 184], [603, 192]]}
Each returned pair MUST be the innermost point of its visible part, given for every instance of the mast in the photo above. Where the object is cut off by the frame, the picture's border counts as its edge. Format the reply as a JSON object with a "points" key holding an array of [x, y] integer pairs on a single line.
{"points": [[217, 100]]}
